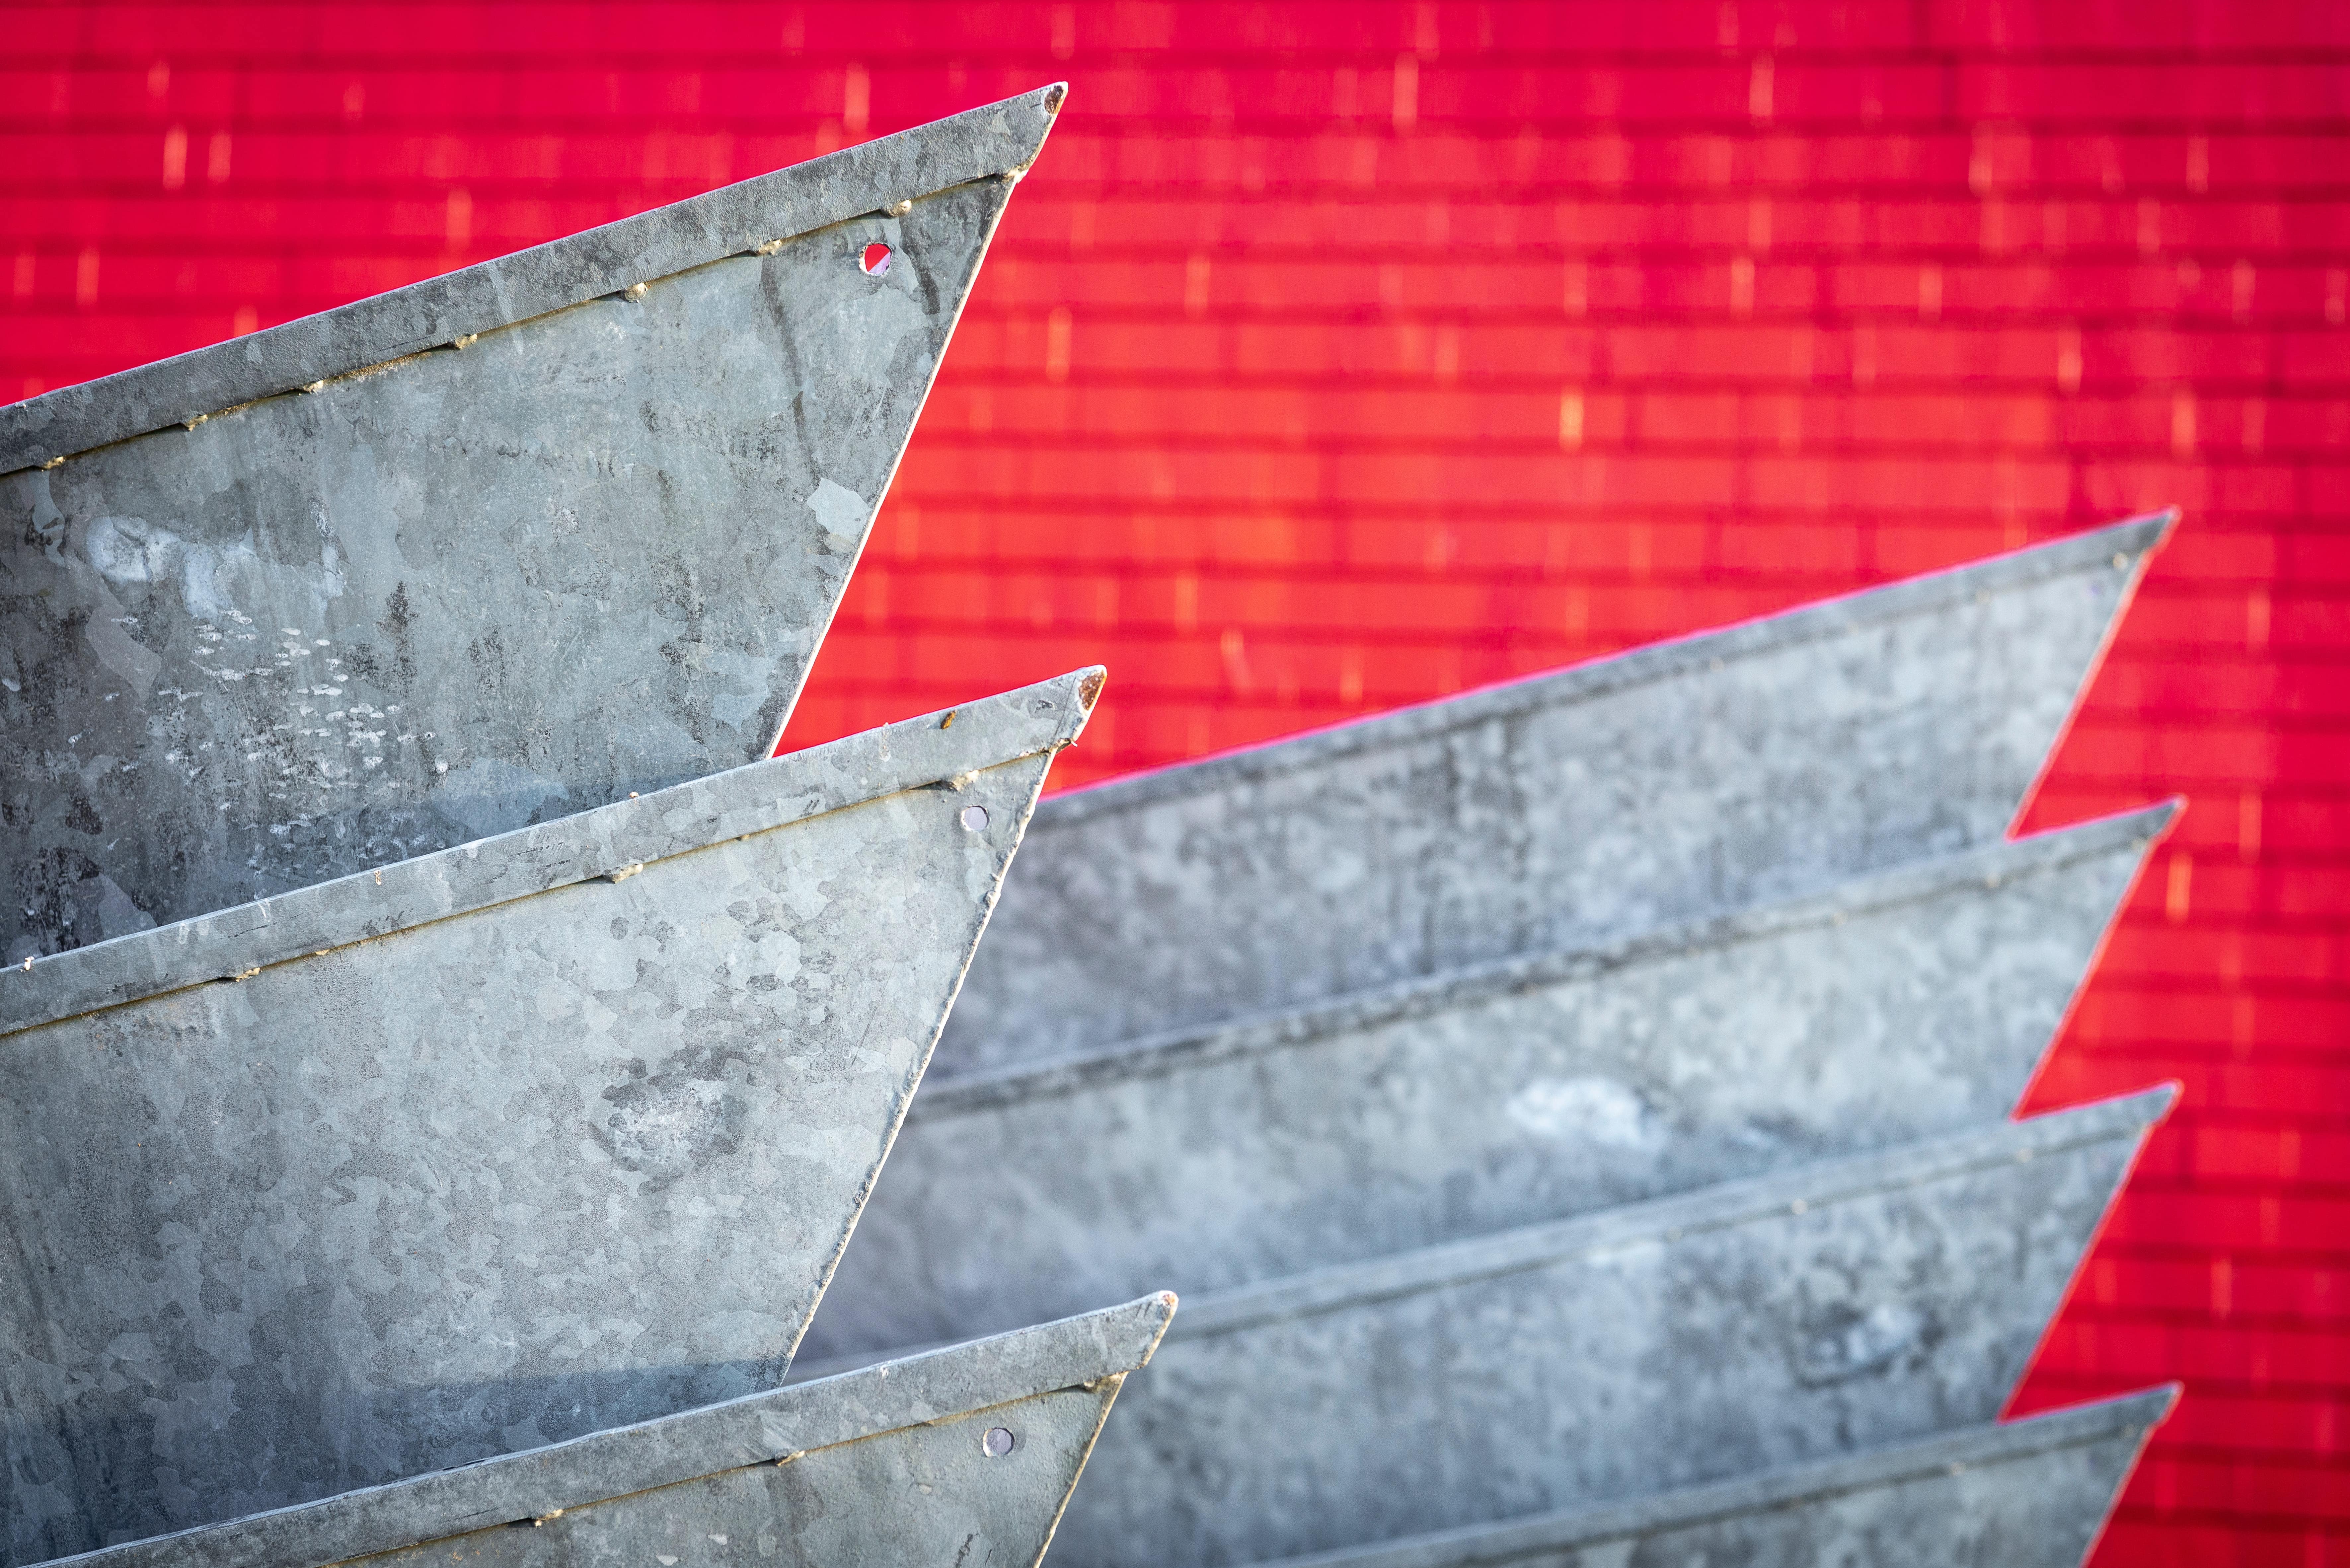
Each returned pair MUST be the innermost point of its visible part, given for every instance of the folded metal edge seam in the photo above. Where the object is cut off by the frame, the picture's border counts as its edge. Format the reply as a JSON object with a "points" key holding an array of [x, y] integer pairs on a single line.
{"points": [[768, 1428], [2130, 1415], [1200, 1045], [612, 840], [2133, 540], [434, 312], [1720, 1207]]}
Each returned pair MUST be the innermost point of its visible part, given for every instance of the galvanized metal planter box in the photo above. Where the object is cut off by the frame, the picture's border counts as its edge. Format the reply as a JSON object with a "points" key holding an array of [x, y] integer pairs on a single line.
{"points": [[965, 1456], [1907, 1002], [1709, 773], [478, 553], [1780, 1320], [2025, 1494], [482, 1150]]}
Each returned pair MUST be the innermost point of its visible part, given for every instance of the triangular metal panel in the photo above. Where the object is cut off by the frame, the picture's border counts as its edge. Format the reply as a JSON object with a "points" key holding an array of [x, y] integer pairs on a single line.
{"points": [[964, 1455], [1760, 1323], [476, 553], [483, 1150], [1772, 759], [1907, 1002], [2023, 1494]]}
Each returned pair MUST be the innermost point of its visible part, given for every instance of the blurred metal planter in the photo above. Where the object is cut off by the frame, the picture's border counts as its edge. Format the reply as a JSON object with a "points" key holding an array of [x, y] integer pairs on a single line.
{"points": [[2024, 1494], [1782, 1320], [485, 1150], [965, 1455], [470, 555], [1712, 773], [1905, 1003]]}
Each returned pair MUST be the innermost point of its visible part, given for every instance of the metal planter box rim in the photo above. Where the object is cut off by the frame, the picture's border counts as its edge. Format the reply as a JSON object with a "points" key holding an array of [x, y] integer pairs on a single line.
{"points": [[2128, 1419], [779, 1427], [2126, 545], [1172, 1052], [614, 840], [996, 140]]}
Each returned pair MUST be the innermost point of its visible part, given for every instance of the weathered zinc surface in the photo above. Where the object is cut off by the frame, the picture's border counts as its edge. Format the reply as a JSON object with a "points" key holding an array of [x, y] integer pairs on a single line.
{"points": [[1709, 773], [2027, 1494], [964, 1456], [479, 552], [1775, 1321], [1907, 1002], [533, 1137]]}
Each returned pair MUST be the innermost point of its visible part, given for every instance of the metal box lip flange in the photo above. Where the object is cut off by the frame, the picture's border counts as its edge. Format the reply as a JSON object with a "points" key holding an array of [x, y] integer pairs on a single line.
{"points": [[1179, 1050], [2130, 1416], [608, 841], [994, 141], [1720, 1207], [2122, 548], [768, 1427], [1669, 1220]]}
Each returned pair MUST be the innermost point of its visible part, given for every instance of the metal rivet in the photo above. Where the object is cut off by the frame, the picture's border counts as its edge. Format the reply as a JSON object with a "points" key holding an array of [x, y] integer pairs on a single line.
{"points": [[974, 817], [997, 1443]]}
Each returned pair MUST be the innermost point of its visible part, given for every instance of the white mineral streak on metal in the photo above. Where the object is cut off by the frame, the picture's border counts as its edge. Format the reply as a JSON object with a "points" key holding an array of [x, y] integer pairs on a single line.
{"points": [[1713, 773], [391, 597], [1907, 1002], [2024, 1494], [1777, 1321], [488, 1155], [885, 1465]]}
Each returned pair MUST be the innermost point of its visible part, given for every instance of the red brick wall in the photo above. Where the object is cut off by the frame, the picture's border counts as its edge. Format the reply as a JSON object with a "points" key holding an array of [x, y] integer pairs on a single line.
{"points": [[1338, 356]]}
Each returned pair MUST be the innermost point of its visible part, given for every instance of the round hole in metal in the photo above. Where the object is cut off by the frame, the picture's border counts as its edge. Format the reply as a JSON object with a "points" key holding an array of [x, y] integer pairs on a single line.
{"points": [[974, 817], [876, 259], [998, 1442]]}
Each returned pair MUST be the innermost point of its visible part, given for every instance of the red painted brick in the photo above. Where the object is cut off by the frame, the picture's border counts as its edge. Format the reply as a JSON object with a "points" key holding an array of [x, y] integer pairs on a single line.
{"points": [[1637, 319]]}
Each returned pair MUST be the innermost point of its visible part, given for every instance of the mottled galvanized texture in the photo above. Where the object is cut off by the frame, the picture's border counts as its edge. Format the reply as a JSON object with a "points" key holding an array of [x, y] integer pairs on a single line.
{"points": [[1909, 1002], [883, 1466], [1775, 1321], [2025, 1494], [435, 597], [490, 1179], [606, 841], [1768, 759], [995, 138]]}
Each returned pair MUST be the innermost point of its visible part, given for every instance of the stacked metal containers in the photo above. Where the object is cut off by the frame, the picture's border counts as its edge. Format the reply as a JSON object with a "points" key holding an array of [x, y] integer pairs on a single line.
{"points": [[441, 1069], [1575, 1113], [430, 1037]]}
